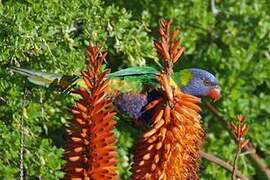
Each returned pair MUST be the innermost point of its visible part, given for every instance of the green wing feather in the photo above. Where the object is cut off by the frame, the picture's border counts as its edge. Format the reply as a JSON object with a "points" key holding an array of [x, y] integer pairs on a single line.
{"points": [[134, 79], [134, 71]]}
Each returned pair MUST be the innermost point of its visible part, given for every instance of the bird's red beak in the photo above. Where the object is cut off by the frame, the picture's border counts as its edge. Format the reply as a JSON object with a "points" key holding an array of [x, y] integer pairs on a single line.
{"points": [[214, 93]]}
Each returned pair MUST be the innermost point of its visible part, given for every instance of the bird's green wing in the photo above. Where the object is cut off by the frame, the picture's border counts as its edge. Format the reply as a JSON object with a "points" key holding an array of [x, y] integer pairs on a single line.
{"points": [[133, 71], [134, 79]]}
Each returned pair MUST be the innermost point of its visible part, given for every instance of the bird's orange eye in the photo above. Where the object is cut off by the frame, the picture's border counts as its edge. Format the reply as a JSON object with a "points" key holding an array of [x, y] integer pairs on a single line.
{"points": [[207, 83]]}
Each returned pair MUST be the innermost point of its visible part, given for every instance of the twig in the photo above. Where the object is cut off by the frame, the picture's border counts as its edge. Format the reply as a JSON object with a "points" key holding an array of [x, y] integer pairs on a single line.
{"points": [[22, 133], [249, 147], [222, 163], [235, 162]]}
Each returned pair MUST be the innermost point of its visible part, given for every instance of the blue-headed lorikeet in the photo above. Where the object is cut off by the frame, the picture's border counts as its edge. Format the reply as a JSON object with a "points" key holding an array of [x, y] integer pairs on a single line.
{"points": [[133, 88]]}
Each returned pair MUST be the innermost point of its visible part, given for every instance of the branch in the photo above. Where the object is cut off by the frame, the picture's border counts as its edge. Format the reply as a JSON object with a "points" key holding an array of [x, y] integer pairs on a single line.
{"points": [[249, 147], [22, 135], [235, 162], [222, 163]]}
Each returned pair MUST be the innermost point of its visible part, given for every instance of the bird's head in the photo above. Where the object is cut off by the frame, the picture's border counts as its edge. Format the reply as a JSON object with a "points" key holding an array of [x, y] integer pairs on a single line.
{"points": [[200, 83]]}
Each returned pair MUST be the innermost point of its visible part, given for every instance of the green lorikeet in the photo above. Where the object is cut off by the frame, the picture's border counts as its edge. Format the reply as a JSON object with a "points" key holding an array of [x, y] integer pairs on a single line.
{"points": [[133, 88]]}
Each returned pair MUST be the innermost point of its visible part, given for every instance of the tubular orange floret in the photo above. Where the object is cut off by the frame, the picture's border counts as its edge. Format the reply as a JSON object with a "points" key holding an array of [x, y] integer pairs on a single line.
{"points": [[167, 87], [91, 151]]}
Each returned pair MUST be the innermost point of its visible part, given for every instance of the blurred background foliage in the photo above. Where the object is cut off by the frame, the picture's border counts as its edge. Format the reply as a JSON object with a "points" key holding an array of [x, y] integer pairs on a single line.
{"points": [[229, 38]]}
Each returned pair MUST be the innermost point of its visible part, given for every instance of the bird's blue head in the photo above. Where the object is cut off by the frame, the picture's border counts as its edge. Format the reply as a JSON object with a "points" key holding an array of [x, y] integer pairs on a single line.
{"points": [[200, 83]]}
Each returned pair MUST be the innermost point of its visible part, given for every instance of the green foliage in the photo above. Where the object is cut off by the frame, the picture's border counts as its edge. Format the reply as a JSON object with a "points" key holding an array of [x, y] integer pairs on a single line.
{"points": [[230, 39]]}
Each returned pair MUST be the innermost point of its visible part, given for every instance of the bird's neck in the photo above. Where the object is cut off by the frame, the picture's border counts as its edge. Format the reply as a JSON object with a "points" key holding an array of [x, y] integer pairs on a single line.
{"points": [[182, 78]]}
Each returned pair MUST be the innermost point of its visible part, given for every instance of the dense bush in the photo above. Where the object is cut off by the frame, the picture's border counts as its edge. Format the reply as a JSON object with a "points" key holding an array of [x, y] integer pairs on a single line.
{"points": [[229, 38]]}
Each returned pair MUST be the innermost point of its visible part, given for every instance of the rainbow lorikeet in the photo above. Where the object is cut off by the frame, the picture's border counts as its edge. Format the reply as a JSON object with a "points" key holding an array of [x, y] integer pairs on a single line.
{"points": [[133, 88]]}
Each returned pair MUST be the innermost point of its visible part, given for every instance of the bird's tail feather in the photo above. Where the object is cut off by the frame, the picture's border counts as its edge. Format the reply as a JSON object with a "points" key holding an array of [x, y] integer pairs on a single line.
{"points": [[63, 83], [22, 71]]}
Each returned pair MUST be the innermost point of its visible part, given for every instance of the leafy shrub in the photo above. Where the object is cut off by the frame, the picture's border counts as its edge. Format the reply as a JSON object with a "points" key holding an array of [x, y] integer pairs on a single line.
{"points": [[230, 39]]}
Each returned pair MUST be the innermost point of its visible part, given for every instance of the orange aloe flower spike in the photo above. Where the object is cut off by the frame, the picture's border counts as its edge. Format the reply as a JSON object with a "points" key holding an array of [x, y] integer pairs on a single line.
{"points": [[91, 149]]}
